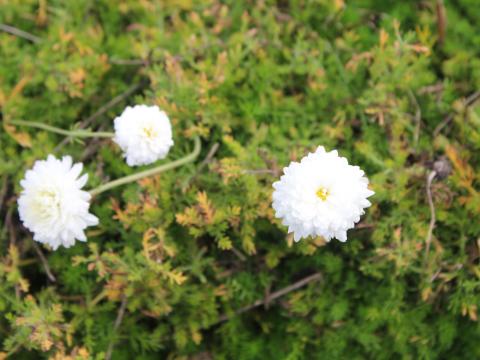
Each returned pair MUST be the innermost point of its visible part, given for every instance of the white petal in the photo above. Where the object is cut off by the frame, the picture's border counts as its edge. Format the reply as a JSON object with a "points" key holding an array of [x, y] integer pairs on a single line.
{"points": [[52, 205], [322, 195], [144, 134]]}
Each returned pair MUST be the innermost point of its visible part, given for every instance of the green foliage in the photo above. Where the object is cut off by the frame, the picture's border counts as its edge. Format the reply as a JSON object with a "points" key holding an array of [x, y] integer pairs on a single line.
{"points": [[262, 82]]}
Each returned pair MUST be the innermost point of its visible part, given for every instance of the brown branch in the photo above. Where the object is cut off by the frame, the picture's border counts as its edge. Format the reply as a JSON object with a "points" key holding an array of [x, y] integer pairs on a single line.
{"points": [[211, 153], [271, 297], [364, 226], [136, 62], [10, 229], [44, 261], [428, 240], [117, 99], [418, 119], [130, 62], [20, 33], [116, 325], [9, 226], [435, 88], [441, 21], [260, 171], [3, 191], [103, 109], [469, 101], [93, 146], [238, 253]]}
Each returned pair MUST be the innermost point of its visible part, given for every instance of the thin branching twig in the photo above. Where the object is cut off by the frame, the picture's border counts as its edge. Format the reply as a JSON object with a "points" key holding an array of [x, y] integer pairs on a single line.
{"points": [[117, 99], [93, 146], [116, 325], [205, 162], [259, 171], [3, 191], [20, 33], [428, 240], [130, 62], [431, 89], [441, 21], [469, 101], [418, 119], [238, 253], [103, 109], [44, 261], [272, 296], [10, 227]]}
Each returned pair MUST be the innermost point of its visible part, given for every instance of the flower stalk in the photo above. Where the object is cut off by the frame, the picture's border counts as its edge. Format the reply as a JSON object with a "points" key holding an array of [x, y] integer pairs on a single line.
{"points": [[72, 133], [150, 172]]}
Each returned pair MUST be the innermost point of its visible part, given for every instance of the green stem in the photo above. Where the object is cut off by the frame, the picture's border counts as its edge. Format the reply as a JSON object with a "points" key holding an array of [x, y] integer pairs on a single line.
{"points": [[146, 173], [56, 130]]}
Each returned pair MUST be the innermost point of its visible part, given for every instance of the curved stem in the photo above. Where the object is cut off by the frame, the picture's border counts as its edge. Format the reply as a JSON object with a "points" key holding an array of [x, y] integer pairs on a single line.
{"points": [[56, 130], [146, 173]]}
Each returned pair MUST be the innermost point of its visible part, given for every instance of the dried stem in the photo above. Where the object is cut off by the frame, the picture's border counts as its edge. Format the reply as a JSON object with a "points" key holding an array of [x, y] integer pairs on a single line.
{"points": [[428, 240], [238, 253], [441, 21], [130, 62], [116, 325], [92, 147], [273, 296], [44, 262], [104, 108], [418, 119], [431, 89], [20, 33], [3, 191], [9, 226], [469, 101], [259, 171], [205, 162]]}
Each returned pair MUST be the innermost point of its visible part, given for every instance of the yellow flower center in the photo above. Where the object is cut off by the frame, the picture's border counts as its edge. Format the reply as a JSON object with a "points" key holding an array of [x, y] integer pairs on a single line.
{"points": [[149, 132], [47, 203], [322, 193]]}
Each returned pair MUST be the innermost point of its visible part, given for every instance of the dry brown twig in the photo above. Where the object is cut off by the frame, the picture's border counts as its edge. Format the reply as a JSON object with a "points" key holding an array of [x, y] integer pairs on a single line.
{"points": [[469, 101], [238, 253], [441, 21], [428, 240], [272, 296], [102, 110], [418, 118], [3, 191], [20, 33], [116, 325], [10, 227], [259, 171], [44, 261], [211, 153], [93, 146], [431, 89]]}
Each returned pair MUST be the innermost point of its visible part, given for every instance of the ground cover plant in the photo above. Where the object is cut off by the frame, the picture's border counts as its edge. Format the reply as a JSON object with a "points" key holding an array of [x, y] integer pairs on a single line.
{"points": [[192, 263]]}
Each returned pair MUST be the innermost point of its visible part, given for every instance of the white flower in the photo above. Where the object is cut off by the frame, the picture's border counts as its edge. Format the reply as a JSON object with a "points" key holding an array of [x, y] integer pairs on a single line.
{"points": [[321, 196], [144, 133], [52, 204]]}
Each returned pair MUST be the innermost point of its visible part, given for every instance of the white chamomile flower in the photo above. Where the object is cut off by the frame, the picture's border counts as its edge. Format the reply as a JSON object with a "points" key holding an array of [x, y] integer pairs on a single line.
{"points": [[144, 134], [52, 204], [322, 195]]}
